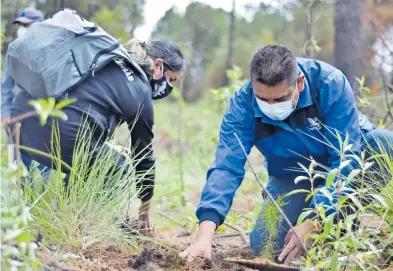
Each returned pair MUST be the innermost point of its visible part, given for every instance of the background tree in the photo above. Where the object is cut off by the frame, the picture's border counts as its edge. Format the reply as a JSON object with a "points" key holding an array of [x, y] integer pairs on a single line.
{"points": [[347, 39], [231, 40]]}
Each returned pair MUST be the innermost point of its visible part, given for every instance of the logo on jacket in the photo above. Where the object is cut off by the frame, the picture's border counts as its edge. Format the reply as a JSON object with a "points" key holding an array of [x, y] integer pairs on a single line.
{"points": [[127, 70], [314, 124]]}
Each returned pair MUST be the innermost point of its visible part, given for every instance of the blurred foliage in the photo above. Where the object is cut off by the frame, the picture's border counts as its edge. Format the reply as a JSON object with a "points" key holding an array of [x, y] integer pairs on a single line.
{"points": [[111, 19], [18, 249], [205, 30], [202, 32], [223, 94], [120, 18]]}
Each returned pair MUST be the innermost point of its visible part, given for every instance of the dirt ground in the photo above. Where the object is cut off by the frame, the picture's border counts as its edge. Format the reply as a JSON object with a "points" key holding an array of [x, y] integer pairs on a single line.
{"points": [[154, 257]]}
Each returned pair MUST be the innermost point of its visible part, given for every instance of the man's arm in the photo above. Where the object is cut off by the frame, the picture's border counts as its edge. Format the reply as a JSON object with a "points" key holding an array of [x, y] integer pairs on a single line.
{"points": [[341, 114], [227, 171]]}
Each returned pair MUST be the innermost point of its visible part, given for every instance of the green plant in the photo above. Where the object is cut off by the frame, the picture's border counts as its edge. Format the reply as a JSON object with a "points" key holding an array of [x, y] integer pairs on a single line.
{"points": [[17, 246], [272, 217], [344, 242], [89, 207], [364, 92], [223, 94], [17, 243]]}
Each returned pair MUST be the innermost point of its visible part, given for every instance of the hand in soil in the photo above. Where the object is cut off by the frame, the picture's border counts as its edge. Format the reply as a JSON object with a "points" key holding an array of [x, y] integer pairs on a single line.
{"points": [[292, 246], [145, 220], [202, 247], [199, 249]]}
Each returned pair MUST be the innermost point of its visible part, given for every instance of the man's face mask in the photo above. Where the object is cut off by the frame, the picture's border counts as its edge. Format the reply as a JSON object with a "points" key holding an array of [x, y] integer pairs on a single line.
{"points": [[160, 87], [277, 111], [21, 31]]}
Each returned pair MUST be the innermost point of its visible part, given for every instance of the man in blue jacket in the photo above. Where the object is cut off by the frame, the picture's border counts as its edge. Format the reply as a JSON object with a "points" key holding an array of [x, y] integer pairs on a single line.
{"points": [[284, 111], [8, 87]]}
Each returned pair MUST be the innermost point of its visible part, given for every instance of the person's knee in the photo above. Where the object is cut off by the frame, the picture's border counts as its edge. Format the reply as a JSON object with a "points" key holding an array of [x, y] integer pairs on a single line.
{"points": [[258, 240]]}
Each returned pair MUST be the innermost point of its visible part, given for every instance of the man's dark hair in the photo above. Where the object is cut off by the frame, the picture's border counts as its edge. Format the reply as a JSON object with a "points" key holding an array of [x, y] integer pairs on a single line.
{"points": [[273, 65]]}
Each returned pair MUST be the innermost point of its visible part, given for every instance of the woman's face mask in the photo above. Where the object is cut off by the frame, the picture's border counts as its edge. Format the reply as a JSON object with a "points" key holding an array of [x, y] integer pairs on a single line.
{"points": [[160, 87]]}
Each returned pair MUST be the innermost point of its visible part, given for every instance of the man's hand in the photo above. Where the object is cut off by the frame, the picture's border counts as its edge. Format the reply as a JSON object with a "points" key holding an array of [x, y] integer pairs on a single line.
{"points": [[145, 221], [292, 246], [202, 247]]}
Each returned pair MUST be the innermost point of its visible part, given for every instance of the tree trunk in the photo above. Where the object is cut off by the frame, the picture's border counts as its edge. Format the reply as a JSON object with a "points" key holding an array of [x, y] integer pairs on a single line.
{"points": [[231, 40], [347, 40]]}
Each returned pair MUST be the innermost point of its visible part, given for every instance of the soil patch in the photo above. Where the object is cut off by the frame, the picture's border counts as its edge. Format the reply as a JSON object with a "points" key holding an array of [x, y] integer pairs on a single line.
{"points": [[153, 257]]}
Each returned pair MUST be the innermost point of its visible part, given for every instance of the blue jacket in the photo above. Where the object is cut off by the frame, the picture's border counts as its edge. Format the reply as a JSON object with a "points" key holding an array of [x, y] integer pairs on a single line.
{"points": [[327, 97], [8, 91]]}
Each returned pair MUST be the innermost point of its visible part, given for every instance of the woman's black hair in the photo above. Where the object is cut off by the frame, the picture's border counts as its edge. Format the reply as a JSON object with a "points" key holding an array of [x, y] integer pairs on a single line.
{"points": [[168, 51]]}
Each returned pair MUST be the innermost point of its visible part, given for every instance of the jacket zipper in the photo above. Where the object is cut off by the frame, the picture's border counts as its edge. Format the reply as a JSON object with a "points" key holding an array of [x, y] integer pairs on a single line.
{"points": [[95, 60]]}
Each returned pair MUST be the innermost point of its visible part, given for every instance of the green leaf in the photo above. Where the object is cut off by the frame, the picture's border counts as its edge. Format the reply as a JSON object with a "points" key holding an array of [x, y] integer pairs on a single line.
{"points": [[303, 215], [352, 175], [43, 114], [345, 144], [334, 265], [51, 103], [373, 248], [345, 164], [312, 166], [303, 167], [322, 213], [367, 90], [64, 103], [381, 124], [36, 105], [24, 237], [330, 178], [309, 196], [327, 226], [59, 114], [44, 103], [318, 175], [298, 191], [301, 178], [338, 136], [367, 165], [381, 200], [348, 148], [355, 201], [357, 158], [342, 200]]}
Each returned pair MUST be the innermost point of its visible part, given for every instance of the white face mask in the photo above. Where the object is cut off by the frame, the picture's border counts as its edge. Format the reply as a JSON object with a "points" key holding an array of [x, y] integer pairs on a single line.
{"points": [[21, 31], [278, 111]]}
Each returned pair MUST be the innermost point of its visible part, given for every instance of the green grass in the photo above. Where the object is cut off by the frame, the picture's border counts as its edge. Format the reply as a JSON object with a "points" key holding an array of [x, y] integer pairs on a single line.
{"points": [[186, 157], [89, 209]]}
